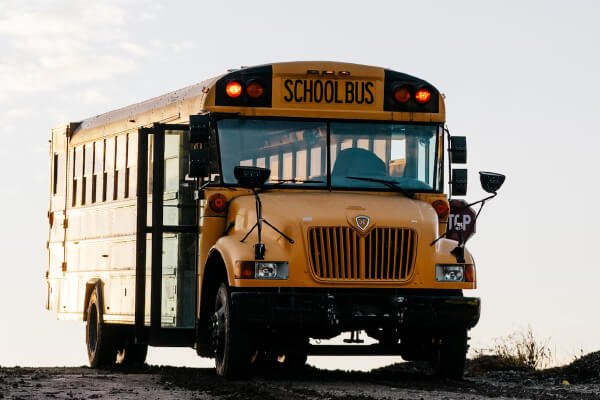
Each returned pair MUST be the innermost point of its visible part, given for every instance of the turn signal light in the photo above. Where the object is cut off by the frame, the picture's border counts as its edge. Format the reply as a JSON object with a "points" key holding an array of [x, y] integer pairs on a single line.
{"points": [[423, 96], [233, 89], [217, 203], [402, 94], [441, 208], [244, 269], [254, 89], [469, 273]]}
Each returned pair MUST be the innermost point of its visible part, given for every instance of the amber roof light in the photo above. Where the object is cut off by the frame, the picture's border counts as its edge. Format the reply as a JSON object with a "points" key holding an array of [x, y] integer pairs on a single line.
{"points": [[423, 96], [233, 89]]}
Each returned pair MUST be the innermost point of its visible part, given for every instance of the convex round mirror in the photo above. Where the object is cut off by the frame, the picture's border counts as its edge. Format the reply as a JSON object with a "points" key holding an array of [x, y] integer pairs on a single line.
{"points": [[251, 177], [491, 181]]}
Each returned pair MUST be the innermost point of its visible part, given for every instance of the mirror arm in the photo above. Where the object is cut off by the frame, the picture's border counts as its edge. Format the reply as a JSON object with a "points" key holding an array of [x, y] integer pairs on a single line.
{"points": [[479, 201]]}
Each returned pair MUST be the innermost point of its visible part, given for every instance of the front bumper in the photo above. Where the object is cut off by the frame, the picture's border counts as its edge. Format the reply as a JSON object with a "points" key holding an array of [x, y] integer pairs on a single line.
{"points": [[325, 313]]}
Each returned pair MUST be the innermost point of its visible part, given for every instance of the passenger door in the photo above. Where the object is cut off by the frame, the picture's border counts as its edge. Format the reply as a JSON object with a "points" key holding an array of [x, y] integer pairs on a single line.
{"points": [[167, 238]]}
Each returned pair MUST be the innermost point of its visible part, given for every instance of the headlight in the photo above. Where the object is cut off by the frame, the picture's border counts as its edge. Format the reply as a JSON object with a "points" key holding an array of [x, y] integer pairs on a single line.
{"points": [[271, 270], [449, 273]]}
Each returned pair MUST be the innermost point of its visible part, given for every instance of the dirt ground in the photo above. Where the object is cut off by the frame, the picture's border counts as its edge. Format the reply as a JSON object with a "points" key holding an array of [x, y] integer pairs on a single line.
{"points": [[579, 380]]}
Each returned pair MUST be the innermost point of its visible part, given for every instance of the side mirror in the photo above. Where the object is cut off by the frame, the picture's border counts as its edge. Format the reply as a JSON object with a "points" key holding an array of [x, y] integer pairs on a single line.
{"points": [[491, 181], [458, 149], [251, 177], [458, 182], [199, 138], [199, 128], [198, 167]]}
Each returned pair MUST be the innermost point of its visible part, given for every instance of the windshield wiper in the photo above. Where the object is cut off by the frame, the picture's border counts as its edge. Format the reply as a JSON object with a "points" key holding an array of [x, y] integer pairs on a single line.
{"points": [[391, 184], [294, 180]]}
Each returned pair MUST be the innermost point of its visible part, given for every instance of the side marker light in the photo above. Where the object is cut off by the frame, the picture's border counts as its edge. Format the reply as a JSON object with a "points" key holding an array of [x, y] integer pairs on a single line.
{"points": [[441, 208], [217, 203]]}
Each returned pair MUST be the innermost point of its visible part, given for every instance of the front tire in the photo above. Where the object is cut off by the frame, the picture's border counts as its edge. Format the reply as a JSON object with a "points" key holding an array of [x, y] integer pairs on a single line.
{"points": [[98, 336], [452, 355], [231, 348]]}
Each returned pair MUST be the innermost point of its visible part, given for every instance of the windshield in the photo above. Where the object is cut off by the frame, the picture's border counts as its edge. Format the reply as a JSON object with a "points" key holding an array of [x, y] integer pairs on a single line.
{"points": [[377, 156]]}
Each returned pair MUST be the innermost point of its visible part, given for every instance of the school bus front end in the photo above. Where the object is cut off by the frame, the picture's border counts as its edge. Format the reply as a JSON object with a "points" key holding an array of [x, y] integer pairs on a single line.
{"points": [[358, 262], [341, 234]]}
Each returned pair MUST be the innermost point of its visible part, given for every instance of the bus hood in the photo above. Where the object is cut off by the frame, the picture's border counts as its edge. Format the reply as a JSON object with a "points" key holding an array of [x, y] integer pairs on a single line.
{"points": [[295, 213]]}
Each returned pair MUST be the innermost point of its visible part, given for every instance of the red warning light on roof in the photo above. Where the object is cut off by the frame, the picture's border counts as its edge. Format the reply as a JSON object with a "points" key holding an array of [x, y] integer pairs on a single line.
{"points": [[402, 94], [254, 89]]}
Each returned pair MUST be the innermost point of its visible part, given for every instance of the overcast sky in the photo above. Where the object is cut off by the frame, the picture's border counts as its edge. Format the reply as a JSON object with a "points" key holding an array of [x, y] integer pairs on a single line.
{"points": [[521, 80]]}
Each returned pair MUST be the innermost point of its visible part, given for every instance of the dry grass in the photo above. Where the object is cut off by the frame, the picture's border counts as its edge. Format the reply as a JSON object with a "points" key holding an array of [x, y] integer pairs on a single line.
{"points": [[517, 351]]}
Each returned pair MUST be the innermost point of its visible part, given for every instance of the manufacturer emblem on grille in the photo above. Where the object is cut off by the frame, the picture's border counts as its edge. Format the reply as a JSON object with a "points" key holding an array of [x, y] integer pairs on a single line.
{"points": [[362, 221]]}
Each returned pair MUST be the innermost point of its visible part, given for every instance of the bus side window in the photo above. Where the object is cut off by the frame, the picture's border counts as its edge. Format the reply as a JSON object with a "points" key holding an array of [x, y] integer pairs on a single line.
{"points": [[58, 178], [77, 176], [274, 166], [109, 170], [87, 173], [333, 154], [301, 164], [131, 174], [379, 146], [362, 144], [397, 162], [99, 194], [287, 172], [55, 167], [121, 165], [315, 162]]}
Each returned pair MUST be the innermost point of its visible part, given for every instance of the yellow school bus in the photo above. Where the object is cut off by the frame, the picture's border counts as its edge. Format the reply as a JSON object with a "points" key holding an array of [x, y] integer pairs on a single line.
{"points": [[250, 213]]}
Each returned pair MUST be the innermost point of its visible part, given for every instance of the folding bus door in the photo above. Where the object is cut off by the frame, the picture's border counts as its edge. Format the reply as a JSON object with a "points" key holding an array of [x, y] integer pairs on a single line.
{"points": [[167, 238]]}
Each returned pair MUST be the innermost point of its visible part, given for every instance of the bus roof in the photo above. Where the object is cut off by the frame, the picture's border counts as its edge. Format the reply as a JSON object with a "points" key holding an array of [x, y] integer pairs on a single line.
{"points": [[307, 89]]}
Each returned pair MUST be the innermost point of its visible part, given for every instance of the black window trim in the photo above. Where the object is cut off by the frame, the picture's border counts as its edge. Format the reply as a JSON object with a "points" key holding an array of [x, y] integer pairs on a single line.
{"points": [[215, 117]]}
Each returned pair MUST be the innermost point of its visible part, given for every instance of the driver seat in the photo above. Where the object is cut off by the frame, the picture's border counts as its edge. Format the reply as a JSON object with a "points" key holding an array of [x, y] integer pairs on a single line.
{"points": [[358, 162]]}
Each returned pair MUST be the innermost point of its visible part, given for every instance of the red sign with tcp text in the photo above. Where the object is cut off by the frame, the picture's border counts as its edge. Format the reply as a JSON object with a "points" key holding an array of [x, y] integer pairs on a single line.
{"points": [[460, 218]]}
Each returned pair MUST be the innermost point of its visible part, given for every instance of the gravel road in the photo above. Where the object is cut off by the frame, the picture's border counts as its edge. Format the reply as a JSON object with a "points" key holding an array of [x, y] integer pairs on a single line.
{"points": [[579, 380]]}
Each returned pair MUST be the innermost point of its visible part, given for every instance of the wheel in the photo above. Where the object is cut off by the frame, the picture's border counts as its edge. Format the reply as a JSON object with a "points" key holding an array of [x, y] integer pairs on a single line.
{"points": [[98, 336], [231, 347], [131, 354], [419, 347], [452, 355]]}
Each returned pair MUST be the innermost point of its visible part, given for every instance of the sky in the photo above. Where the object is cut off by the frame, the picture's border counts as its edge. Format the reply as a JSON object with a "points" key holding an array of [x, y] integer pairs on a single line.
{"points": [[521, 82]]}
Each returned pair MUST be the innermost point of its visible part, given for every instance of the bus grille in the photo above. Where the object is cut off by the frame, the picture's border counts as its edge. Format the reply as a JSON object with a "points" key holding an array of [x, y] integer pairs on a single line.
{"points": [[384, 254]]}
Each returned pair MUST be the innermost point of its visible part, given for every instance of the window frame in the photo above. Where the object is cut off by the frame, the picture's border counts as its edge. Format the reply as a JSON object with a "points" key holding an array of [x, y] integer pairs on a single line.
{"points": [[438, 163]]}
